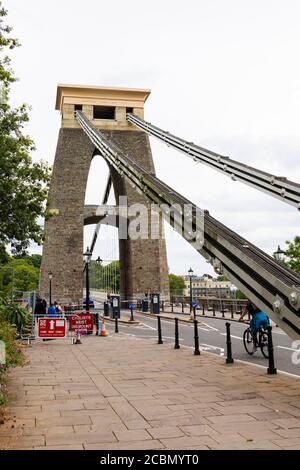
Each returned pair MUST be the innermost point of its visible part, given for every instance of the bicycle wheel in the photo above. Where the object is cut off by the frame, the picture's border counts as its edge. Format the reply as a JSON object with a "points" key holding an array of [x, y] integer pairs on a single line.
{"points": [[263, 343], [248, 341]]}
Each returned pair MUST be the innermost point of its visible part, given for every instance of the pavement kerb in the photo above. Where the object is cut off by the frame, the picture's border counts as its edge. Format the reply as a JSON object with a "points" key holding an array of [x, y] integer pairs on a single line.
{"points": [[183, 320], [120, 320]]}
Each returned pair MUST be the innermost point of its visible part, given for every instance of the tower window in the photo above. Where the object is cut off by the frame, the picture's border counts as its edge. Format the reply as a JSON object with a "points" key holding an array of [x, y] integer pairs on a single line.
{"points": [[104, 112], [78, 107], [129, 110]]}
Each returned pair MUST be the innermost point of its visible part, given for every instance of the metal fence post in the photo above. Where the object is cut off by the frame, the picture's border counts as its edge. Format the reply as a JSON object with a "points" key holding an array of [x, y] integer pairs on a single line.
{"points": [[177, 346], [116, 325], [160, 341], [196, 336], [229, 358], [271, 369]]}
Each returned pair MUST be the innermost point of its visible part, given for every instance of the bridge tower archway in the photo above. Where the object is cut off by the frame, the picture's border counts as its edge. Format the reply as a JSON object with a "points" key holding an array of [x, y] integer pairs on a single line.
{"points": [[143, 262]]}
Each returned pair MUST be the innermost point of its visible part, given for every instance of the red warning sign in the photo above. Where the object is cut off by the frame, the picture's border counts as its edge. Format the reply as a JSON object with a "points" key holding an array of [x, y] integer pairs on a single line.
{"points": [[85, 321], [51, 327]]}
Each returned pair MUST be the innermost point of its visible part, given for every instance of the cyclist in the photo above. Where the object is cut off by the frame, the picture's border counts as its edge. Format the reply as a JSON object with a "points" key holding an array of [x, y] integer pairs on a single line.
{"points": [[258, 318]]}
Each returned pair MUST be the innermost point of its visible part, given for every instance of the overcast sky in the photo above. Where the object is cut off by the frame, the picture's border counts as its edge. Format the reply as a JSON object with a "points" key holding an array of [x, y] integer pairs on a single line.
{"points": [[223, 74]]}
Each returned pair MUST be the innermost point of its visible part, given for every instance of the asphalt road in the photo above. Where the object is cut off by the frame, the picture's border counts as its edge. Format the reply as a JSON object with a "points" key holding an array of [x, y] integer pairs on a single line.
{"points": [[212, 337]]}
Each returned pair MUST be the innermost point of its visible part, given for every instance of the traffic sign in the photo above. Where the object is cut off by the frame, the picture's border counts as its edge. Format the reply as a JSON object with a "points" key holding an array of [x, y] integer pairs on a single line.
{"points": [[51, 327], [131, 306], [85, 321]]}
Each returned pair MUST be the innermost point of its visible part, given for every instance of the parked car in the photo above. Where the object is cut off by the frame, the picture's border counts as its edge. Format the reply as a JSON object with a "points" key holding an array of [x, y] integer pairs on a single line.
{"points": [[92, 303]]}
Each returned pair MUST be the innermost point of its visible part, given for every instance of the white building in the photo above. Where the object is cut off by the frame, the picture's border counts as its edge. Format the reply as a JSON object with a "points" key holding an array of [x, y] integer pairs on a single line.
{"points": [[205, 286]]}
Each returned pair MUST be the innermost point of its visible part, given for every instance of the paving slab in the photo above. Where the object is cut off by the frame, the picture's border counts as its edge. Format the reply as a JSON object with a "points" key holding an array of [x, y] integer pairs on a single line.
{"points": [[122, 392]]}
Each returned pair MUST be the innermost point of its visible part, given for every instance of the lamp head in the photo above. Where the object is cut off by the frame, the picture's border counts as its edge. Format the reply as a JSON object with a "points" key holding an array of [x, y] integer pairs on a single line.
{"points": [[87, 255], [279, 254]]}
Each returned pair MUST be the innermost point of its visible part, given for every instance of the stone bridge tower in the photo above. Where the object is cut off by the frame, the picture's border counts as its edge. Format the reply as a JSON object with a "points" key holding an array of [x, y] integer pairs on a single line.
{"points": [[143, 262]]}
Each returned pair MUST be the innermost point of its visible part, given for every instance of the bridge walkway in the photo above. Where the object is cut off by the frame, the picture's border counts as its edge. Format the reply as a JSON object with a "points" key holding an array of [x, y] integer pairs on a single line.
{"points": [[122, 392]]}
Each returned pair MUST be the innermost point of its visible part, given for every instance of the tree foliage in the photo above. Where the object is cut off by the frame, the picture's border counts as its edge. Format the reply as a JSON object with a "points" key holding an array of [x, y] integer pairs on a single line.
{"points": [[292, 254], [104, 277], [177, 284], [23, 183], [19, 274], [221, 277]]}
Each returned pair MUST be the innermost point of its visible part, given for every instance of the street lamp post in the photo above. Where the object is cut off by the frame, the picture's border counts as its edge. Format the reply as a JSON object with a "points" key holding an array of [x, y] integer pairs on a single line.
{"points": [[87, 257], [50, 276], [99, 262], [190, 273], [279, 255]]}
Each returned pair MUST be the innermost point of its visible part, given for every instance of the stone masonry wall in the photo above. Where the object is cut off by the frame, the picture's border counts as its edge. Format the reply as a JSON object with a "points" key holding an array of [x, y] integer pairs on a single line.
{"points": [[143, 262]]}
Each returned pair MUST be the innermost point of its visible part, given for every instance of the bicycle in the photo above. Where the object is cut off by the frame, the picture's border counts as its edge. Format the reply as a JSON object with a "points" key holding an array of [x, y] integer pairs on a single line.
{"points": [[262, 343]]}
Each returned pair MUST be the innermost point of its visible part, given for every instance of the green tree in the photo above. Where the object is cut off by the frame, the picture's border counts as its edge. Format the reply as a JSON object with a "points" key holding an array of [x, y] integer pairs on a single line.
{"points": [[221, 277], [240, 295], [293, 254], [26, 278], [19, 274], [23, 183], [177, 284], [104, 277]]}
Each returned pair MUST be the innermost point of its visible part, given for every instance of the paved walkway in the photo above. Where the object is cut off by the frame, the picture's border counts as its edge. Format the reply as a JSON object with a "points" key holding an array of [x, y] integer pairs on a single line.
{"points": [[122, 392]]}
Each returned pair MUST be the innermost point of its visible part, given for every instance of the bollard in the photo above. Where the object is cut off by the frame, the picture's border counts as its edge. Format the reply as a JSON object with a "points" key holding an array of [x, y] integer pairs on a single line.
{"points": [[231, 307], [160, 341], [196, 336], [131, 315], [177, 346], [182, 307], [203, 308], [271, 369], [229, 358], [214, 310], [172, 307], [97, 324], [116, 326], [195, 313], [163, 306], [131, 306]]}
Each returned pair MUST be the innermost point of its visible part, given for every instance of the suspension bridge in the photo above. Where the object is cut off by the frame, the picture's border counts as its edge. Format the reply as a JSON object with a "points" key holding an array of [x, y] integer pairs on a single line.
{"points": [[109, 122]]}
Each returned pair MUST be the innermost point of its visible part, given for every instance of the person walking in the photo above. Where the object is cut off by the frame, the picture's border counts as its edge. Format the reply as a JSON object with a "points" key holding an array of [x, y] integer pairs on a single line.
{"points": [[51, 311], [58, 309]]}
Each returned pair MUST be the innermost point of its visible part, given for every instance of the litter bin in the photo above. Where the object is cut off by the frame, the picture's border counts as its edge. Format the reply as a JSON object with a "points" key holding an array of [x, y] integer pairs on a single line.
{"points": [[106, 309], [145, 305]]}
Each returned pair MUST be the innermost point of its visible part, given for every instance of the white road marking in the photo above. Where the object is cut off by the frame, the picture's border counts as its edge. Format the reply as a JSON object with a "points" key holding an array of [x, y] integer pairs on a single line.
{"points": [[148, 326], [211, 327], [210, 346], [232, 336], [289, 349]]}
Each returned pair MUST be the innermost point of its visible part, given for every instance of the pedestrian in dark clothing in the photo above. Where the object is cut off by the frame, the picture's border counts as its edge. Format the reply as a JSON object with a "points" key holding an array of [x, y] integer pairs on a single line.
{"points": [[39, 309]]}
